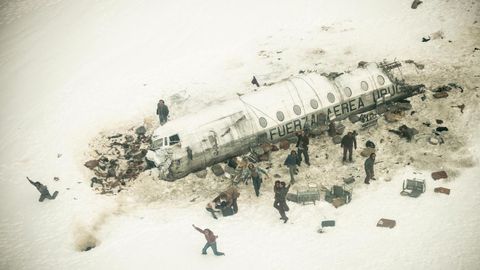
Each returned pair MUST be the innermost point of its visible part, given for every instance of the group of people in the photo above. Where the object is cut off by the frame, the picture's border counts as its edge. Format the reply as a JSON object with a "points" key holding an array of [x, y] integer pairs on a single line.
{"points": [[225, 203], [280, 190], [349, 142]]}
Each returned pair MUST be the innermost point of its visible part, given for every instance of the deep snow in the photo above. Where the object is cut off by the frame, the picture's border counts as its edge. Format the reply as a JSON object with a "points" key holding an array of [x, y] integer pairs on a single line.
{"points": [[72, 69]]}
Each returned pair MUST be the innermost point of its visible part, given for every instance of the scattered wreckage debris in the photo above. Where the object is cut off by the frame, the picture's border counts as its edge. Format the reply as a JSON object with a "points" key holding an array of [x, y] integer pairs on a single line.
{"points": [[441, 129], [339, 195], [386, 223], [433, 36], [416, 3], [461, 107], [425, 39], [417, 65], [255, 82], [439, 175], [442, 190], [440, 95], [436, 138], [447, 88], [368, 120], [413, 187], [121, 158], [201, 174]]}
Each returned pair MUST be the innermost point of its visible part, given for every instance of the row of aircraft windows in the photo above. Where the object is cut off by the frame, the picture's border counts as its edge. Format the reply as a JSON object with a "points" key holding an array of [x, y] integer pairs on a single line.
{"points": [[314, 103]]}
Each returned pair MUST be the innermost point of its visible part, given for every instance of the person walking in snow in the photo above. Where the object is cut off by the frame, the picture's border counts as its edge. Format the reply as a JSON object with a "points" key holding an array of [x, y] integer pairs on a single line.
{"points": [[211, 241], [256, 174], [291, 163], [369, 162], [302, 147], [162, 112], [281, 190], [348, 143], [44, 193]]}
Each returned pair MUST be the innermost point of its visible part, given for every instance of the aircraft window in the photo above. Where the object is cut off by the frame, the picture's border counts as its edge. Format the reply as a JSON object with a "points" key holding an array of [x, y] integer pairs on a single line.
{"points": [[280, 116], [297, 110], [380, 80], [364, 85], [174, 139], [347, 91], [314, 103], [331, 97], [262, 121], [158, 143]]}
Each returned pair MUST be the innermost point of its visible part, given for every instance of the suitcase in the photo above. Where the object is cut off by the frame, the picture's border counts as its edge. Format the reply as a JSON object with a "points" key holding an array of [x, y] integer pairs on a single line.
{"points": [[387, 223], [439, 175], [328, 223], [442, 190]]}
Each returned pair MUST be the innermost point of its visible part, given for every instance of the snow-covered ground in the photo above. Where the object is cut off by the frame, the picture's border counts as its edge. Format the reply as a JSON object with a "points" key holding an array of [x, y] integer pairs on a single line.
{"points": [[70, 70]]}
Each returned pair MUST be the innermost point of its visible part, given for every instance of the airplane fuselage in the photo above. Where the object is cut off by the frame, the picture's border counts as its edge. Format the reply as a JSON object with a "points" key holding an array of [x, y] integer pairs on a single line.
{"points": [[268, 116]]}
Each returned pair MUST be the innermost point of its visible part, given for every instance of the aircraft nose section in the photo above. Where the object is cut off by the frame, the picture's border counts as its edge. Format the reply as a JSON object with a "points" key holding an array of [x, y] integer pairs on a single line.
{"points": [[162, 160]]}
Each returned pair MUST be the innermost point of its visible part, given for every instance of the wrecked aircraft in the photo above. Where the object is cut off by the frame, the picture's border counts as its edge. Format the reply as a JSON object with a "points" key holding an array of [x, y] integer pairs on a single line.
{"points": [[196, 141]]}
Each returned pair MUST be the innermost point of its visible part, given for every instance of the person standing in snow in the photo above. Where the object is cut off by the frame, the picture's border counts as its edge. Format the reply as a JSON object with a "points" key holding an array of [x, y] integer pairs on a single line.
{"points": [[291, 163], [162, 112], [211, 241], [255, 174], [45, 194], [348, 143], [369, 162], [281, 190], [302, 147]]}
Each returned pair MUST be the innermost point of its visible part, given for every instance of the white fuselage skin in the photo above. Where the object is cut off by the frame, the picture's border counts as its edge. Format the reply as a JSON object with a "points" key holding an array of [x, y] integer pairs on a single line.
{"points": [[276, 112]]}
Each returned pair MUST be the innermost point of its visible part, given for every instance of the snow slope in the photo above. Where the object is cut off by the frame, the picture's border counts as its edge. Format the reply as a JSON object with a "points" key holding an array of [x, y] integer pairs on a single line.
{"points": [[72, 69]]}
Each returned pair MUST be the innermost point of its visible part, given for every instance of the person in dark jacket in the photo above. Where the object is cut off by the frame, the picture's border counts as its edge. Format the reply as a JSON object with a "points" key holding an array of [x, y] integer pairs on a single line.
{"points": [[281, 190], [162, 112], [369, 162], [44, 193], [256, 175], [230, 197], [302, 147], [348, 143], [291, 163], [211, 241]]}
